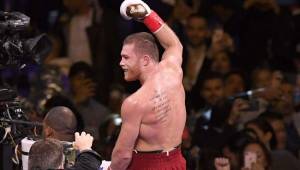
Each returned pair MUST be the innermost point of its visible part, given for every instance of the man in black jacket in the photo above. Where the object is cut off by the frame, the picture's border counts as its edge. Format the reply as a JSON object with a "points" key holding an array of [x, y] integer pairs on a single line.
{"points": [[49, 154]]}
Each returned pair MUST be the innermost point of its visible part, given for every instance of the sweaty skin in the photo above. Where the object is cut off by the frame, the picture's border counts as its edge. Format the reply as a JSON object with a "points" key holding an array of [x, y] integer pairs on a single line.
{"points": [[153, 118]]}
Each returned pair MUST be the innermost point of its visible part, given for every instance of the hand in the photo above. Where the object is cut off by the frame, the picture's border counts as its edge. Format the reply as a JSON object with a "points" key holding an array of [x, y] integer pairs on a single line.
{"points": [[221, 41], [237, 109], [222, 164], [83, 141], [135, 9], [272, 94]]}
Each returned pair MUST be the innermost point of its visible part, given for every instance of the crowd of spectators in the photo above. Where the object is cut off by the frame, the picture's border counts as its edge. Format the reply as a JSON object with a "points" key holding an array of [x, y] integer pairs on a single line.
{"points": [[241, 66]]}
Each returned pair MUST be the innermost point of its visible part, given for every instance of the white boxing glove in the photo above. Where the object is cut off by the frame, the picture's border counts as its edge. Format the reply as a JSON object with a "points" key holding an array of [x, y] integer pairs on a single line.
{"points": [[138, 11]]}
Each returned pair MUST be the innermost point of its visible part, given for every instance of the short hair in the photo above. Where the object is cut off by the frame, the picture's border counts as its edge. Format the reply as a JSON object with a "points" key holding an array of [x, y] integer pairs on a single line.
{"points": [[198, 16], [60, 100], [237, 140], [62, 120], [81, 67], [265, 127], [45, 154], [209, 76], [144, 43]]}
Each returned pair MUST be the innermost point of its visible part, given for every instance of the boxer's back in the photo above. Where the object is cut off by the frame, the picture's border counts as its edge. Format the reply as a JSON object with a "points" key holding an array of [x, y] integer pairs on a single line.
{"points": [[163, 99]]}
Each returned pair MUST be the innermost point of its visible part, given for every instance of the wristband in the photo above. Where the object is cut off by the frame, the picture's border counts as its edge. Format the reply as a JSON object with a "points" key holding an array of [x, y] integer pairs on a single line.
{"points": [[153, 22]]}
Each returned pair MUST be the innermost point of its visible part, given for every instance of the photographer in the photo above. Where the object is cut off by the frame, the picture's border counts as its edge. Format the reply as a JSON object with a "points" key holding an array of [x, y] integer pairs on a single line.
{"points": [[48, 154]]}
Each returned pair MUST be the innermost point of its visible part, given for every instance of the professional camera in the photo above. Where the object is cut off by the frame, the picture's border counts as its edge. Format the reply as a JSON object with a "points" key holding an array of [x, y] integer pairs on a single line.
{"points": [[15, 49], [14, 124]]}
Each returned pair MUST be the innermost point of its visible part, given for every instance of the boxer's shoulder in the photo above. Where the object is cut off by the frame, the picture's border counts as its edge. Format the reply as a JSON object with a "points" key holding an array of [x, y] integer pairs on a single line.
{"points": [[168, 66], [135, 100], [131, 108]]}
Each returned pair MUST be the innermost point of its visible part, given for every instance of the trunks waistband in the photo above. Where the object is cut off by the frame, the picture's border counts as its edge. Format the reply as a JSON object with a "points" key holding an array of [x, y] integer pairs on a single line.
{"points": [[158, 151]]}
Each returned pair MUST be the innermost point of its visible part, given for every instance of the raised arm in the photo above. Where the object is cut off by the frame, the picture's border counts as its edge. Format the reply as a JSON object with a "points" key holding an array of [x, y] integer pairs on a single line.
{"points": [[140, 11], [171, 44]]}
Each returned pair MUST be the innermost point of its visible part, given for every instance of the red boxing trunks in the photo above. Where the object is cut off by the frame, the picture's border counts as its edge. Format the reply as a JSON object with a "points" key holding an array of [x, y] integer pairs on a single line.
{"points": [[172, 160]]}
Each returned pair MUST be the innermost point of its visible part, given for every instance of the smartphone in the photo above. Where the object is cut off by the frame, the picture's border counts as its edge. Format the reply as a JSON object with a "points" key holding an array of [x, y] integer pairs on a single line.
{"points": [[249, 159]]}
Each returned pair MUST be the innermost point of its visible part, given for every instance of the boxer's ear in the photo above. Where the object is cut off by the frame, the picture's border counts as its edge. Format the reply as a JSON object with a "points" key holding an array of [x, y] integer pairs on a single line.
{"points": [[146, 60]]}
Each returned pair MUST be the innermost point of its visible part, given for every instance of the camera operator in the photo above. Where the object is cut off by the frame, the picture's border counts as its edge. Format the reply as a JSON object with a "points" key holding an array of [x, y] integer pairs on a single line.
{"points": [[48, 154]]}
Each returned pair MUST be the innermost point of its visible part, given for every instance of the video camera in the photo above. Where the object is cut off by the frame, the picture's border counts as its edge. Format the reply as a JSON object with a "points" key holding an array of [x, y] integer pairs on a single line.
{"points": [[16, 51], [13, 120]]}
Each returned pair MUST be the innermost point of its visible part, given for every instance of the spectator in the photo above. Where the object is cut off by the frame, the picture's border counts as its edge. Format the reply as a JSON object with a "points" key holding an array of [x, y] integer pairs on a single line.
{"points": [[277, 123], [196, 49], [50, 147], [221, 62], [83, 89], [261, 77], [60, 123], [263, 159], [59, 100], [234, 83], [210, 90], [201, 44], [49, 154], [264, 132], [88, 34], [282, 159], [234, 145], [217, 131]]}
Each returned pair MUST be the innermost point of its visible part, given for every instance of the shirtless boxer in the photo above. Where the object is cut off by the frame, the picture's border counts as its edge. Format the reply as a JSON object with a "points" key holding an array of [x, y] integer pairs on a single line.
{"points": [[154, 116]]}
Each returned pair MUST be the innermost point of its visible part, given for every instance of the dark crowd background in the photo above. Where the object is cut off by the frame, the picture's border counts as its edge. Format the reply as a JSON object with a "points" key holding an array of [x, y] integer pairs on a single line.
{"points": [[241, 74]]}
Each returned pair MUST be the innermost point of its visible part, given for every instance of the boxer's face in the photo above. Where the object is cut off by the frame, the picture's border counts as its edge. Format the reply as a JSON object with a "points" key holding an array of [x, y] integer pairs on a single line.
{"points": [[196, 30], [130, 63]]}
